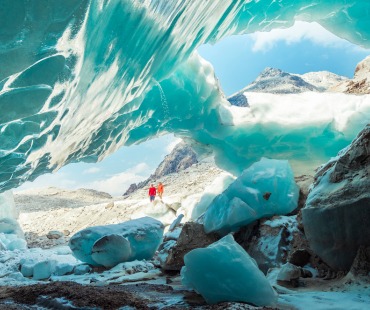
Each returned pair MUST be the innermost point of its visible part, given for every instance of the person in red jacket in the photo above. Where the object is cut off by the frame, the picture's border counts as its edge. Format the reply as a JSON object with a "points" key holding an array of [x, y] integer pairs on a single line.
{"points": [[152, 192]]}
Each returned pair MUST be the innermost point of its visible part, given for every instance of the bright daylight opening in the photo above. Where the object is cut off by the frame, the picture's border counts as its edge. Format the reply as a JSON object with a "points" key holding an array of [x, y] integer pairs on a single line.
{"points": [[234, 174]]}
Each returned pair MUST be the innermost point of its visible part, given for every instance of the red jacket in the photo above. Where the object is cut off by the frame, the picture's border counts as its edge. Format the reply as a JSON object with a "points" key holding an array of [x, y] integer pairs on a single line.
{"points": [[152, 191]]}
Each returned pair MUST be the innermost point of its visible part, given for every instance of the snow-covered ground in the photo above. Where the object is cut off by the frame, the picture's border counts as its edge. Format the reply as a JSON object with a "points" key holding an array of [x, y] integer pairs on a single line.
{"points": [[57, 209]]}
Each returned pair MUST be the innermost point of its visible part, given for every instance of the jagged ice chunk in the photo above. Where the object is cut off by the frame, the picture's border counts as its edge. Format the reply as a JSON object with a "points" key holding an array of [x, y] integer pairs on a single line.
{"points": [[112, 244], [225, 272], [69, 92], [11, 234], [264, 189]]}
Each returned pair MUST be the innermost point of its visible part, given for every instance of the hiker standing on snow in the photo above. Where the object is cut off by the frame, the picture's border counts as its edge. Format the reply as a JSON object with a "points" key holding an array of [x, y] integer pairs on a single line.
{"points": [[160, 190], [152, 192]]}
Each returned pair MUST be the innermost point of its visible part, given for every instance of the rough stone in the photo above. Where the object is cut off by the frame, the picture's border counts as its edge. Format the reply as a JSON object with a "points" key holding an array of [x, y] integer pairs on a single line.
{"points": [[268, 242], [110, 205], [289, 272], [54, 234], [238, 100], [181, 157], [191, 237], [361, 263], [304, 182], [337, 212], [300, 257], [360, 84]]}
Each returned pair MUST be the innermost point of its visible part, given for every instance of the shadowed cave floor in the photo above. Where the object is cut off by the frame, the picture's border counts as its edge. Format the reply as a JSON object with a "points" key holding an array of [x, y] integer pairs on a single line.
{"points": [[70, 295]]}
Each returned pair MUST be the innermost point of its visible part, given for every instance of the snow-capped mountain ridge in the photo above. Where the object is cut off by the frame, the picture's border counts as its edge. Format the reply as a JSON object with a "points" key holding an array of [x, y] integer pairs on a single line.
{"points": [[276, 81], [323, 80]]}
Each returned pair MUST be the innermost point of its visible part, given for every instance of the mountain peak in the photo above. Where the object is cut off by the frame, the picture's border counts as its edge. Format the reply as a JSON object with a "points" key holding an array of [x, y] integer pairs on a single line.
{"points": [[272, 80], [181, 158], [271, 72]]}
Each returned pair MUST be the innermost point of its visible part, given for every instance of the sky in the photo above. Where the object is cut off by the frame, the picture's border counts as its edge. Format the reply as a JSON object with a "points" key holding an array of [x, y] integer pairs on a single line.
{"points": [[305, 47], [237, 62]]}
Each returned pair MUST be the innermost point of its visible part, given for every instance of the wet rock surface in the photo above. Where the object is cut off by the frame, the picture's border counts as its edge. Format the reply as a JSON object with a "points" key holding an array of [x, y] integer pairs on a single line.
{"points": [[268, 246], [361, 263], [337, 211], [191, 237]]}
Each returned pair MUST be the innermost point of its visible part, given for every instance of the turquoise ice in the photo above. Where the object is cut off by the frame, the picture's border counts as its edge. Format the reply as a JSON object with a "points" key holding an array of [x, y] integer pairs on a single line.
{"points": [[11, 234], [110, 245], [225, 272], [81, 78], [266, 188]]}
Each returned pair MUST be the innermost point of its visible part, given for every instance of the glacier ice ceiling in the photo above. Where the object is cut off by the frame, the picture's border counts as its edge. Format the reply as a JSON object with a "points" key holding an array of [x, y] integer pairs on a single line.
{"points": [[79, 79]]}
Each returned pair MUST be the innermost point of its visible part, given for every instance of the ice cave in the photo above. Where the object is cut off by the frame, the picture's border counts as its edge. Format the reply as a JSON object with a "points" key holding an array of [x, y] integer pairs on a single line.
{"points": [[79, 79]]}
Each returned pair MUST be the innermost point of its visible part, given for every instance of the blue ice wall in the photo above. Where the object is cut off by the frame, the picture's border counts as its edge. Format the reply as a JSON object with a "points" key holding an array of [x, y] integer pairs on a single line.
{"points": [[80, 78]]}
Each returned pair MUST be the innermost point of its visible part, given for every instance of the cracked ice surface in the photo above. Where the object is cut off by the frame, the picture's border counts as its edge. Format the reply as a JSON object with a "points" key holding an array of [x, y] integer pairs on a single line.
{"points": [[79, 79]]}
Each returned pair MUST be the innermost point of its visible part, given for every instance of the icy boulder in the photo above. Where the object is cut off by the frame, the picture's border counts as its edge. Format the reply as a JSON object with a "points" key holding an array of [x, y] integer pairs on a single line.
{"points": [[337, 212], [266, 188], [11, 234], [112, 244], [12, 242], [225, 272], [7, 205]]}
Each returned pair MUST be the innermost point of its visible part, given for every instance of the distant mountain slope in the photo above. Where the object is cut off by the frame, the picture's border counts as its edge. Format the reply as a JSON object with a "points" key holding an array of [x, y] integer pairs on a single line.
{"points": [[323, 80], [181, 157], [52, 198], [276, 81], [360, 84]]}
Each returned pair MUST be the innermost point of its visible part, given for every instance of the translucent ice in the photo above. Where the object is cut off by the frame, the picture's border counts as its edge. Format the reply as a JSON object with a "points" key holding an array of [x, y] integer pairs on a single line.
{"points": [[266, 188], [11, 234], [7, 206], [43, 270], [81, 78], [225, 272], [112, 244]]}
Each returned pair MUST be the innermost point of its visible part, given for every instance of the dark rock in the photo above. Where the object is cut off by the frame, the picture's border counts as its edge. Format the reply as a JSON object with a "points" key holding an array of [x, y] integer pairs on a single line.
{"points": [[300, 257], [181, 158], [238, 100], [54, 234], [246, 234], [305, 273], [337, 213], [266, 195], [299, 251], [191, 237], [132, 188], [267, 242], [361, 263]]}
